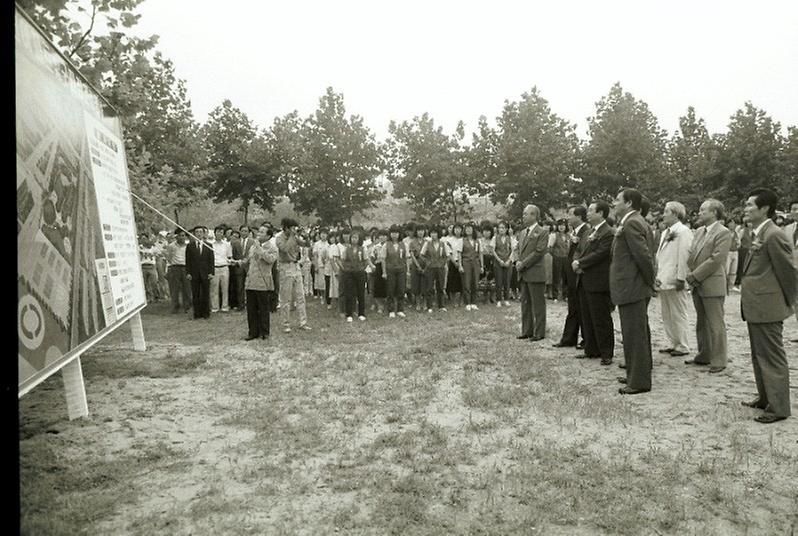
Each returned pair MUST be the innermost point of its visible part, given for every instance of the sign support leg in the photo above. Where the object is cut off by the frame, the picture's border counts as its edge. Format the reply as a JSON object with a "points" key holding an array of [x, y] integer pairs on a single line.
{"points": [[137, 331], [75, 389]]}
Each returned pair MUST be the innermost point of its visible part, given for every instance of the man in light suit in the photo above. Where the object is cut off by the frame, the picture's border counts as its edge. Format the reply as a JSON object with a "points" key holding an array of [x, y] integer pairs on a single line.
{"points": [[768, 293], [707, 277], [673, 248], [533, 243], [791, 231], [631, 286]]}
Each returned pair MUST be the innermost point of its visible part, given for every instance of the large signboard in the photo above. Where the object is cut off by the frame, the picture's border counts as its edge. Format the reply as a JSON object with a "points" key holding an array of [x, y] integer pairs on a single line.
{"points": [[78, 269]]}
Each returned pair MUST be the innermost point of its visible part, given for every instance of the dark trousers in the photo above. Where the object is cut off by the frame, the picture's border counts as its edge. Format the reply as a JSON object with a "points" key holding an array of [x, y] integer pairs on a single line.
{"points": [[327, 298], [179, 288], [354, 284], [274, 296], [238, 296], [771, 369], [434, 278], [395, 288], [201, 297], [573, 321], [742, 255], [636, 344], [533, 309], [258, 313], [417, 285], [597, 327], [558, 277], [502, 276], [470, 281]]}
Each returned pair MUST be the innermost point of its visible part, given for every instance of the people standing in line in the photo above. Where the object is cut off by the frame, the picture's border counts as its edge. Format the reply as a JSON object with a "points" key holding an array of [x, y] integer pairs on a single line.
{"points": [[378, 286], [671, 282], [343, 243], [577, 221], [533, 244], [223, 254], [291, 286], [514, 286], [502, 263], [415, 265], [354, 261], [260, 257], [161, 266], [333, 279], [305, 269], [591, 266], [559, 256], [470, 266], [199, 271], [147, 253], [768, 293], [454, 279], [392, 268], [707, 279], [487, 282], [321, 282], [434, 255], [179, 285], [631, 286]]}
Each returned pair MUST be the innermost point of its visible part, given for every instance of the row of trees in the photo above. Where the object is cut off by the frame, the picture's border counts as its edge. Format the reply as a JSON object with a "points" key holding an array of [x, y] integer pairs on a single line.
{"points": [[327, 164]]}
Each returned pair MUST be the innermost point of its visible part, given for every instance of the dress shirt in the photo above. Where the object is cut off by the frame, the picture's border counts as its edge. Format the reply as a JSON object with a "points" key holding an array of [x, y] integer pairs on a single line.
{"points": [[222, 251]]}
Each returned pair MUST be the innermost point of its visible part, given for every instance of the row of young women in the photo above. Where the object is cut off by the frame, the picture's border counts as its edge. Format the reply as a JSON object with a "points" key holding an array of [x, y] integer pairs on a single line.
{"points": [[426, 266]]}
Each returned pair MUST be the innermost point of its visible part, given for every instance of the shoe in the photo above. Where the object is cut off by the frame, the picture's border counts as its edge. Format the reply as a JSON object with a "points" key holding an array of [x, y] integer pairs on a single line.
{"points": [[520, 337], [629, 391], [768, 418], [361, 318], [249, 338], [305, 327], [536, 339], [225, 309], [264, 337], [666, 350], [678, 353], [694, 362], [348, 318], [583, 356], [498, 304], [286, 330], [715, 370], [622, 365], [506, 303], [443, 309], [474, 307], [391, 315], [329, 307], [606, 361], [562, 345], [214, 310], [580, 346], [429, 310], [400, 314], [621, 379], [757, 404]]}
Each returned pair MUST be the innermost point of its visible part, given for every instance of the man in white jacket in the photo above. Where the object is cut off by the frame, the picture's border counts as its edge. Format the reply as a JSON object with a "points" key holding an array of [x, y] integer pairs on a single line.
{"points": [[671, 282]]}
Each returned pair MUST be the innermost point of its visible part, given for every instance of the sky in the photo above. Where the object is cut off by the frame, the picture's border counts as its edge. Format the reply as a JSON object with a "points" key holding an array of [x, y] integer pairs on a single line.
{"points": [[458, 60]]}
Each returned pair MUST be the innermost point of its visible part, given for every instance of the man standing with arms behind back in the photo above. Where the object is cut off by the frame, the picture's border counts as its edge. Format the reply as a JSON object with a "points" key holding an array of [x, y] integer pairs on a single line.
{"points": [[532, 246], [768, 292], [577, 218], [707, 263], [631, 286]]}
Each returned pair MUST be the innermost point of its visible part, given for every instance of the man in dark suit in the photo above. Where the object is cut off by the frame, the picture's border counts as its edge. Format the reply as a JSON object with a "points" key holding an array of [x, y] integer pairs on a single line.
{"points": [[631, 286], [592, 266], [577, 218], [199, 270], [768, 292], [533, 243]]}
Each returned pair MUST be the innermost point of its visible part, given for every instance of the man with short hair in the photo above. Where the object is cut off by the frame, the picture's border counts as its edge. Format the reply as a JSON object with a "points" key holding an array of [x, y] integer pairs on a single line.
{"points": [[532, 247], [199, 271], [671, 282], [291, 288], [767, 295], [706, 263], [577, 220], [223, 254], [791, 231], [592, 267], [179, 285], [631, 286]]}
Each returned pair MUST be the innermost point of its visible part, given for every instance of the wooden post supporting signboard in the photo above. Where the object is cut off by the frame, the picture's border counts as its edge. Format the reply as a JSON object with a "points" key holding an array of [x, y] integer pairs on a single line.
{"points": [[77, 406], [137, 330]]}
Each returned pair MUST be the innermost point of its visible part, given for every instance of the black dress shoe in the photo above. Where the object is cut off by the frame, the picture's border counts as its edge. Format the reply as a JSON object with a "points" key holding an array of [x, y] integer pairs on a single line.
{"points": [[666, 350], [694, 362], [606, 361], [585, 356], [621, 379], [536, 339], [264, 337], [521, 337], [629, 391], [715, 370], [768, 418], [622, 365], [677, 353], [562, 345], [249, 338], [757, 404]]}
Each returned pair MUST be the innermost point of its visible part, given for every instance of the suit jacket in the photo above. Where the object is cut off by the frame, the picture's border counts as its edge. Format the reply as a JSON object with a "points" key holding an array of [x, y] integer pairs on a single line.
{"points": [[769, 278], [531, 250], [707, 260], [199, 265], [570, 275], [672, 252], [632, 265], [790, 232], [594, 259]]}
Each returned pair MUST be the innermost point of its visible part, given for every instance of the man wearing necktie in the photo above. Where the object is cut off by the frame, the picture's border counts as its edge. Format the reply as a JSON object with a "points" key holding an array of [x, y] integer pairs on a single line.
{"points": [[532, 248], [707, 277], [199, 270], [767, 295]]}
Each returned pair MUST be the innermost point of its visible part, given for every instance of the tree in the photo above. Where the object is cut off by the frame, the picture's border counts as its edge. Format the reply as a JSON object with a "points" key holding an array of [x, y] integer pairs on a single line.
{"points": [[531, 157], [788, 166], [749, 155], [240, 163], [627, 148], [429, 168], [692, 159], [338, 165]]}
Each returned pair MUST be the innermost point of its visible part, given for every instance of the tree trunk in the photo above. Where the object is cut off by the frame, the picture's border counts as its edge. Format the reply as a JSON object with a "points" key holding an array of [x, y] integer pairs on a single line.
{"points": [[245, 206], [177, 217]]}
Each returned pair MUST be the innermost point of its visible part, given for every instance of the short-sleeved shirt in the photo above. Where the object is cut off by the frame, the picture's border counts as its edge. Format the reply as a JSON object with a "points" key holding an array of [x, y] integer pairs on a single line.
{"points": [[288, 248]]}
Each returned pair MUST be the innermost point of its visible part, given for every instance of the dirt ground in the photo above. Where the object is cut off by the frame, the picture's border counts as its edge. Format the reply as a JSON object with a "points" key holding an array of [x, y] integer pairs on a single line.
{"points": [[436, 424]]}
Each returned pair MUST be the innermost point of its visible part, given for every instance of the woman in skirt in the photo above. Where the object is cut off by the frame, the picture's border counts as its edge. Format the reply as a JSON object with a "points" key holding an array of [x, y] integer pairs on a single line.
{"points": [[454, 281]]}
